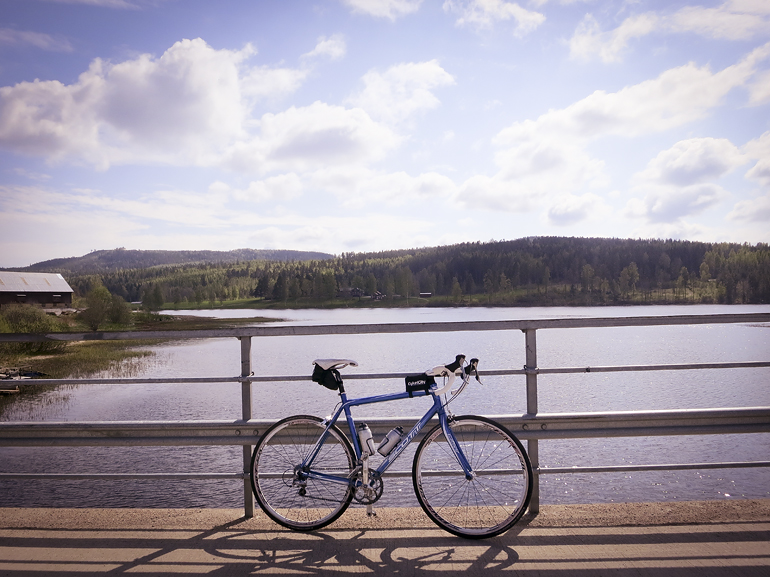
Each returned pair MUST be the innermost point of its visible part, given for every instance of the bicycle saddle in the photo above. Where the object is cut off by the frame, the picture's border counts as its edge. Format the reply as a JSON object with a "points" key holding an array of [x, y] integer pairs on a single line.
{"points": [[327, 364]]}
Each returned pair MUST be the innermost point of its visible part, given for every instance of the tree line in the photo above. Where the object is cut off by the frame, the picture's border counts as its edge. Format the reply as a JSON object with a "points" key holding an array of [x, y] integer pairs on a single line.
{"points": [[536, 270]]}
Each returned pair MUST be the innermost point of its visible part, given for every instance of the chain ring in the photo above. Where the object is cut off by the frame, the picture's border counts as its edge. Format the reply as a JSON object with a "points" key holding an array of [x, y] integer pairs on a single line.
{"points": [[360, 495]]}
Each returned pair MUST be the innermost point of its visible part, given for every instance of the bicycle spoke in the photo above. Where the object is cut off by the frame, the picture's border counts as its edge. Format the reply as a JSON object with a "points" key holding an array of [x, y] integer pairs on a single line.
{"points": [[285, 494], [496, 496]]}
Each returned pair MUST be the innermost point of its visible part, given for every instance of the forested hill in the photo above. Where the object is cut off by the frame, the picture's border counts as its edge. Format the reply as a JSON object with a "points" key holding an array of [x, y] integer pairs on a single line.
{"points": [[528, 271], [101, 261]]}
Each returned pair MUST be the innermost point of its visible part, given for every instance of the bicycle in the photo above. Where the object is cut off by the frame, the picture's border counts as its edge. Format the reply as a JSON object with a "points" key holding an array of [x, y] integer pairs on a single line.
{"points": [[471, 476]]}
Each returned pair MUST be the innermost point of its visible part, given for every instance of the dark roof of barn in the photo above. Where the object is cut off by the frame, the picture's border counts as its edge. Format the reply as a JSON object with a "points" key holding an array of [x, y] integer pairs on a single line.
{"points": [[33, 282]]}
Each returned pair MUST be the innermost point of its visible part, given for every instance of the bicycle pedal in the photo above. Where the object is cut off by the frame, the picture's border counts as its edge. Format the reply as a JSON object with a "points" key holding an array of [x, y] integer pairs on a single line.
{"points": [[370, 512]]}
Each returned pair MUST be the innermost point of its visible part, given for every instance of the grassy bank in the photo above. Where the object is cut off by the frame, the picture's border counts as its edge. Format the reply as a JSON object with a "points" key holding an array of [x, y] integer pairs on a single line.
{"points": [[82, 359]]}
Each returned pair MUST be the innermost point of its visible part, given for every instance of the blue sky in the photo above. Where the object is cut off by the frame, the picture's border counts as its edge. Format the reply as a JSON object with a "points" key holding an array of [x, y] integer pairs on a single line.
{"points": [[367, 125]]}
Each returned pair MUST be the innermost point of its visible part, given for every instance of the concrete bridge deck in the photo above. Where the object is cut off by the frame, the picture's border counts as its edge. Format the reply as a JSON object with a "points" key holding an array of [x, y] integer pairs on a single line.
{"points": [[698, 539]]}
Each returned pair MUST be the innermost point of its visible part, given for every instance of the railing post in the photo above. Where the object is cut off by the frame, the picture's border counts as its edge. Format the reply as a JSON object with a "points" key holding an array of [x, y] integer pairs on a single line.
{"points": [[530, 342], [248, 496]]}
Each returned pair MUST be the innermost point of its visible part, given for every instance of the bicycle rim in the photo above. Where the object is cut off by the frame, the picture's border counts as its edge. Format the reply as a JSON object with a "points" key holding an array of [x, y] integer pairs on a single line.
{"points": [[496, 497], [293, 502]]}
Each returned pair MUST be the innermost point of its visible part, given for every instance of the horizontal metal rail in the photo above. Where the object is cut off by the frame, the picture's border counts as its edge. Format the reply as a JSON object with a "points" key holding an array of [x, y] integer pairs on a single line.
{"points": [[124, 476], [664, 467], [540, 426], [532, 426], [372, 376]]}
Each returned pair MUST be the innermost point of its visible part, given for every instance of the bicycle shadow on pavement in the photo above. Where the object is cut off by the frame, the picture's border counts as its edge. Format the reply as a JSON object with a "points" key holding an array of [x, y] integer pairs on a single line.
{"points": [[68, 543], [393, 551]]}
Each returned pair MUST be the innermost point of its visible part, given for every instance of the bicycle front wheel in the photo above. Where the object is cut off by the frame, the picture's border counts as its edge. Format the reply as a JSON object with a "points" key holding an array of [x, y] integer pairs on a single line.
{"points": [[494, 499], [297, 498]]}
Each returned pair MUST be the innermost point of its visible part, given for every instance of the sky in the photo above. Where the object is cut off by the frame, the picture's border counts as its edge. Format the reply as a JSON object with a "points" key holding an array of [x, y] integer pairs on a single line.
{"points": [[367, 125]]}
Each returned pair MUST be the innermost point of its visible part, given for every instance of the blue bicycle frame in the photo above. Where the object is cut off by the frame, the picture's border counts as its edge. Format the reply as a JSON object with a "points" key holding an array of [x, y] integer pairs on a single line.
{"points": [[436, 409]]}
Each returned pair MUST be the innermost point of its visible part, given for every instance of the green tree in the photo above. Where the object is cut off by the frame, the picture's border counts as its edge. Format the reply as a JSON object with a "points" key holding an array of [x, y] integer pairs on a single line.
{"points": [[328, 285], [705, 273], [295, 288], [505, 284], [281, 288], [98, 303], [587, 276], [457, 290], [371, 284], [489, 284], [629, 276], [29, 319], [120, 311], [152, 299], [683, 282]]}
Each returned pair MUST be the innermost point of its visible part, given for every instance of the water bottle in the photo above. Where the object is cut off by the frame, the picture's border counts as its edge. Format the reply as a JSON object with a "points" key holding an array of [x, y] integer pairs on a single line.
{"points": [[390, 441], [365, 438]]}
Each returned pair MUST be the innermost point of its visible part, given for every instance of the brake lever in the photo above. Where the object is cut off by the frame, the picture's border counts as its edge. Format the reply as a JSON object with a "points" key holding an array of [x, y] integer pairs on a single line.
{"points": [[474, 364]]}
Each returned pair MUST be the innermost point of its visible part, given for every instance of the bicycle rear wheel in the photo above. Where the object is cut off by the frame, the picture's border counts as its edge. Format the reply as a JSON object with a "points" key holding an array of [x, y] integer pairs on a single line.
{"points": [[494, 499], [285, 492]]}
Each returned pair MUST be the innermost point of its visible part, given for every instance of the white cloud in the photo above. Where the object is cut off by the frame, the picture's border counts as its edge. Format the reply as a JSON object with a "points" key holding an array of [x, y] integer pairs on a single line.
{"points": [[759, 90], [668, 204], [693, 161], [759, 149], [279, 188], [31, 175], [571, 209], [730, 21], [266, 82], [738, 20], [497, 194], [485, 13], [541, 159], [360, 187], [390, 9], [588, 38], [333, 47], [678, 182], [184, 107], [676, 97], [190, 95], [402, 90], [36, 39], [311, 137], [681, 229], [532, 171], [752, 210]]}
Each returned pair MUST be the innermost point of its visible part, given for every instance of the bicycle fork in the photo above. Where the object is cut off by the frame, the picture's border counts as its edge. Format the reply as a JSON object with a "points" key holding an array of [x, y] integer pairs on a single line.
{"points": [[456, 449]]}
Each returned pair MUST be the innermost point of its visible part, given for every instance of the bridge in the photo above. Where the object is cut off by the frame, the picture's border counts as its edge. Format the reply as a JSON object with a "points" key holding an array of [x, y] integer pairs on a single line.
{"points": [[703, 538], [534, 426]]}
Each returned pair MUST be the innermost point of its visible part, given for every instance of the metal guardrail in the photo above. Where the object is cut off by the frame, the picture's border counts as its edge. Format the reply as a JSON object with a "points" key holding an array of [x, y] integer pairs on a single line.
{"points": [[531, 426]]}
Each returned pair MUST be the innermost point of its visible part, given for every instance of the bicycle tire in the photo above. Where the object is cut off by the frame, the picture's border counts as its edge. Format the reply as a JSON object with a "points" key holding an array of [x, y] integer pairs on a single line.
{"points": [[497, 496], [293, 504]]}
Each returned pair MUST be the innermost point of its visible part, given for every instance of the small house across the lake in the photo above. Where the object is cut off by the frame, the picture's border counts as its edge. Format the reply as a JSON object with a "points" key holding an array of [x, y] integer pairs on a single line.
{"points": [[48, 290]]}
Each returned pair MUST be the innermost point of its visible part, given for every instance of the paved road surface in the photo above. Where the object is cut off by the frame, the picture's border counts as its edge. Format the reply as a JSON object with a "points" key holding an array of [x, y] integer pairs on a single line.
{"points": [[698, 539]]}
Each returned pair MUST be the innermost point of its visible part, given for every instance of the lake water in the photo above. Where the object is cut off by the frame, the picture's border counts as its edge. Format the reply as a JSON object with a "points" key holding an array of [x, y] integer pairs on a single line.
{"points": [[415, 353]]}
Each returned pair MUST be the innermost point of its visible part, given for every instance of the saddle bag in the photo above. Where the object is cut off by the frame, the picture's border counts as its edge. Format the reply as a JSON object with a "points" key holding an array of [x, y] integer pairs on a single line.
{"points": [[417, 383], [329, 378]]}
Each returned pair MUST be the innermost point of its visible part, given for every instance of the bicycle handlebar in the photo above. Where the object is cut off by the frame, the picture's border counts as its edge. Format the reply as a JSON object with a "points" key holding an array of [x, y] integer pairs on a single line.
{"points": [[450, 372]]}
